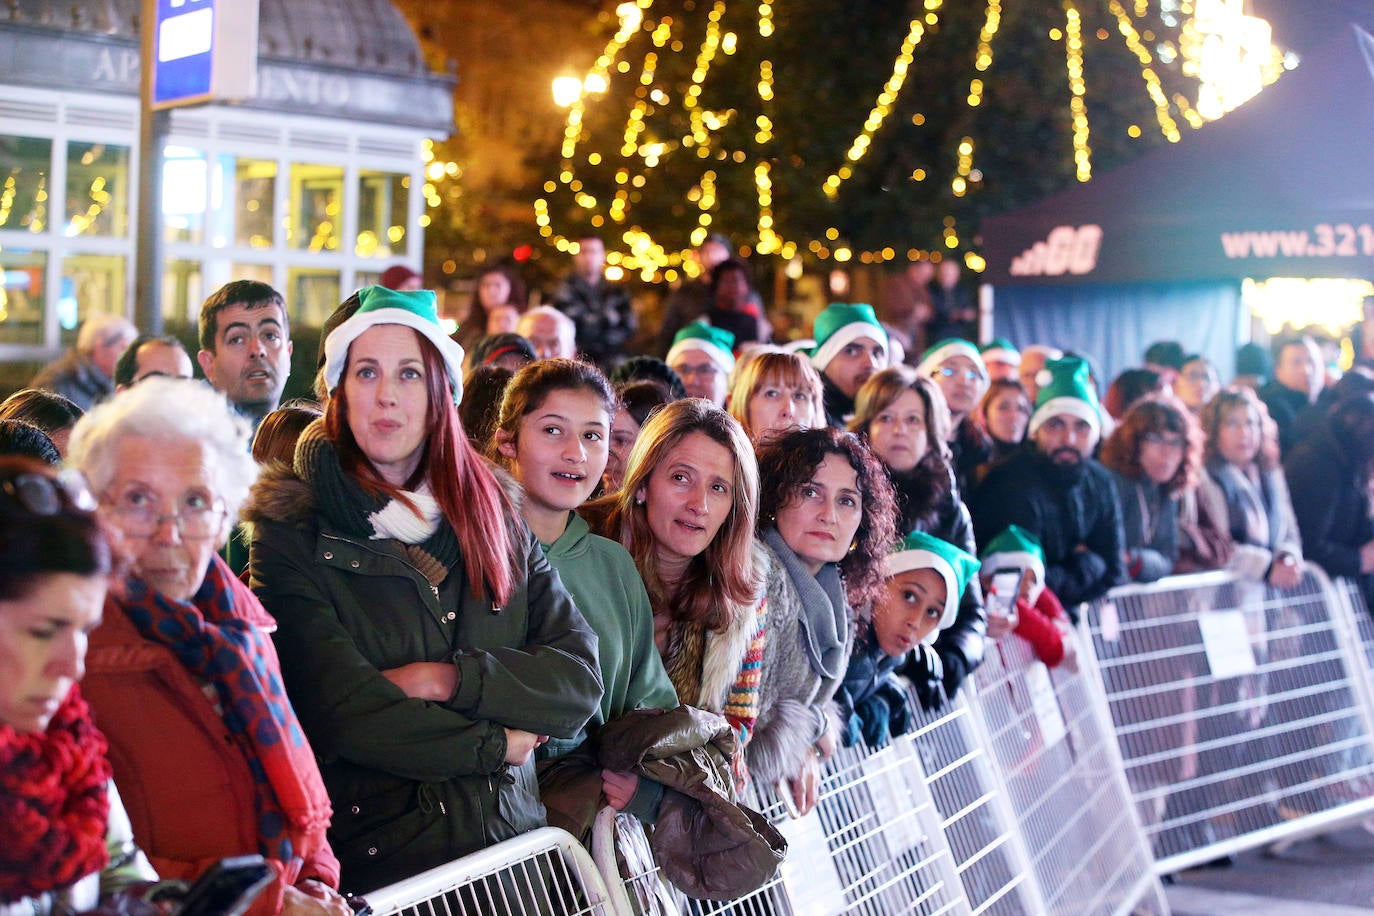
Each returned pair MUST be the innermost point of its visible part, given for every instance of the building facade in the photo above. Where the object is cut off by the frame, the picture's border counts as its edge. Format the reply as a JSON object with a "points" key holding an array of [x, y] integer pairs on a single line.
{"points": [[314, 186]]}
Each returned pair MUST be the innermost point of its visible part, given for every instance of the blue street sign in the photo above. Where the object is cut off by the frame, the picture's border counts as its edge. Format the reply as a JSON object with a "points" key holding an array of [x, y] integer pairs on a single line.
{"points": [[203, 50]]}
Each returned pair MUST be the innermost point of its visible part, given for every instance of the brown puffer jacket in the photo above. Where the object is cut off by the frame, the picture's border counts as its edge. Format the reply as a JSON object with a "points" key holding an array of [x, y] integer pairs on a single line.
{"points": [[709, 847]]}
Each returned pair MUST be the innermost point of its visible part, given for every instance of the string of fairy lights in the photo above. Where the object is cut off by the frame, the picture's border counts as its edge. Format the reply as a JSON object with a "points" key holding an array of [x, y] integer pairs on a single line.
{"points": [[633, 249]]}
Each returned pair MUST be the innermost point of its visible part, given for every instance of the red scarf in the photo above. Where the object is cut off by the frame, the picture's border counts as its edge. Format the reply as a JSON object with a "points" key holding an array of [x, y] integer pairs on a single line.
{"points": [[216, 637], [53, 803]]}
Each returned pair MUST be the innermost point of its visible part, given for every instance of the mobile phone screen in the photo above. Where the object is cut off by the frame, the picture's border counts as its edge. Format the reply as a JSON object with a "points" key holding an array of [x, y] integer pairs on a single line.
{"points": [[1001, 597]]}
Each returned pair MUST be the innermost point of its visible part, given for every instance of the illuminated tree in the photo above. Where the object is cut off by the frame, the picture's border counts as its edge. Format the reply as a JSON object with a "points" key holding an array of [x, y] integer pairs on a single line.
{"points": [[867, 130]]}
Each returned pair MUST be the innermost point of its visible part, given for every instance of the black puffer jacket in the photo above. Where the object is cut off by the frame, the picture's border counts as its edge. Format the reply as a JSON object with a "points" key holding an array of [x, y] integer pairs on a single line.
{"points": [[1066, 512], [1327, 489], [961, 646]]}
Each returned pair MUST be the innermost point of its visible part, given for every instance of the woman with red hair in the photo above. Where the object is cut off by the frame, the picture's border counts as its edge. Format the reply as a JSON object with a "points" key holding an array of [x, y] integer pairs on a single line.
{"points": [[426, 642]]}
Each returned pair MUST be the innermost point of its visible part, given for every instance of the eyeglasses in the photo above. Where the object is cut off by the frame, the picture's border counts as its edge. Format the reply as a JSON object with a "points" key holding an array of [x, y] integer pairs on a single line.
{"points": [[705, 370], [44, 496], [1166, 441], [140, 516], [968, 375]]}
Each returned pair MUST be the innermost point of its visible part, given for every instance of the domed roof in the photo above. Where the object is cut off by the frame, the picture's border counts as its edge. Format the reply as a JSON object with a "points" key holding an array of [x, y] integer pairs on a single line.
{"points": [[352, 34]]}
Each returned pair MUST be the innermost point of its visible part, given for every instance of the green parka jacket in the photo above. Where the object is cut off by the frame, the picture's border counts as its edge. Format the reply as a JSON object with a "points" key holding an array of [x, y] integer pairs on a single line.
{"points": [[415, 783]]}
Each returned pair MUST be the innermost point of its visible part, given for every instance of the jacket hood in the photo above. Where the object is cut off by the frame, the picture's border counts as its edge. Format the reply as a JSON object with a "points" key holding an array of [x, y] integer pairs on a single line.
{"points": [[280, 496], [574, 542]]}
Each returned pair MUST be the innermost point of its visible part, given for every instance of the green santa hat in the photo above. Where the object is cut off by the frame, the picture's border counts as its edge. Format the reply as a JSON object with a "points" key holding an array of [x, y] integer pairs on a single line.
{"points": [[414, 309], [947, 348], [1017, 548], [840, 325], [717, 343], [919, 550], [1001, 350], [1069, 390]]}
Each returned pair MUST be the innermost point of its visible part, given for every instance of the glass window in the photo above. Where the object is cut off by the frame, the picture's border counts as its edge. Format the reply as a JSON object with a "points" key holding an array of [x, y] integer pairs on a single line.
{"points": [[383, 204], [243, 199], [90, 283], [97, 189], [25, 163], [316, 219], [185, 191], [22, 303], [183, 291], [311, 295]]}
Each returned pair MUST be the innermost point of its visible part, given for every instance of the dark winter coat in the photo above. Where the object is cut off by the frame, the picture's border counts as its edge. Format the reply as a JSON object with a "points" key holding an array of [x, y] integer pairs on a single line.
{"points": [[414, 783], [1287, 407], [1064, 511], [1149, 521], [603, 317], [76, 378], [961, 646], [1331, 502]]}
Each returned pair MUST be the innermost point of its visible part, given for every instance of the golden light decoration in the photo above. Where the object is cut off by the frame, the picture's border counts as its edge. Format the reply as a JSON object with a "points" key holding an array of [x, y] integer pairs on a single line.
{"points": [[1073, 48], [858, 148], [702, 137], [1167, 126]]}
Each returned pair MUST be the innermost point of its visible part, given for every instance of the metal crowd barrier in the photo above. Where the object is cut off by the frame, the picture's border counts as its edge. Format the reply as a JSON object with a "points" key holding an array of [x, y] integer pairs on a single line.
{"points": [[1010, 800], [544, 872], [1242, 713], [1061, 776]]}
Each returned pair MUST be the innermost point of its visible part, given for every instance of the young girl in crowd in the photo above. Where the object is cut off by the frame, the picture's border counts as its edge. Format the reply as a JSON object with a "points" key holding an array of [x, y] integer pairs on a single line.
{"points": [[1155, 455], [686, 513], [1040, 617], [552, 435], [425, 640], [902, 417], [1003, 413], [773, 391], [924, 577], [826, 516]]}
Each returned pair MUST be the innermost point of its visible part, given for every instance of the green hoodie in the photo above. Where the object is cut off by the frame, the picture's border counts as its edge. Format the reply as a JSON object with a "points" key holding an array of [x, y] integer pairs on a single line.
{"points": [[606, 587]]}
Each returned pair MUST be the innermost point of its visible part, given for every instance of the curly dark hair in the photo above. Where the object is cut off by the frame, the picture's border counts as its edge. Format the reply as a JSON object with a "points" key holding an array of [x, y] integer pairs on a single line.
{"points": [[788, 461], [1155, 414]]}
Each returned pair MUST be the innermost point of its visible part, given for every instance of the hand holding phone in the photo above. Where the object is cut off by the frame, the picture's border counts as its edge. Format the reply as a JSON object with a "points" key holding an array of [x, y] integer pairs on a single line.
{"points": [[1003, 590]]}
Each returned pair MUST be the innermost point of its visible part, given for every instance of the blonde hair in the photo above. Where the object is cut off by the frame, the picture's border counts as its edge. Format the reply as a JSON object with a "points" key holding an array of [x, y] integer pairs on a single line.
{"points": [[882, 388], [762, 366], [722, 582]]}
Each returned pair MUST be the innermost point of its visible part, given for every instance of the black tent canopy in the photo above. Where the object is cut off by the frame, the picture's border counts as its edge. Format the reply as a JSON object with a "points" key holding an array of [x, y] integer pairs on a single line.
{"points": [[1282, 186]]}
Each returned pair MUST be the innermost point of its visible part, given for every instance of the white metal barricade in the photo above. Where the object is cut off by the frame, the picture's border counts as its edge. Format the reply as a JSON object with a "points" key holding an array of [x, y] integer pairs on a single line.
{"points": [[873, 845], [1063, 782], [541, 873], [1241, 712]]}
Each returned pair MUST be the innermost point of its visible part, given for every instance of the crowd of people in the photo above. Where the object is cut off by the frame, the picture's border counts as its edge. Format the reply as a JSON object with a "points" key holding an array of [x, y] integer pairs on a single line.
{"points": [[479, 584]]}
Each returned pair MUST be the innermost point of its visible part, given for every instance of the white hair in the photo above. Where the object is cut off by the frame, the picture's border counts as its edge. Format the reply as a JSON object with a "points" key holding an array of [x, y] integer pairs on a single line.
{"points": [[169, 410], [103, 329], [565, 324]]}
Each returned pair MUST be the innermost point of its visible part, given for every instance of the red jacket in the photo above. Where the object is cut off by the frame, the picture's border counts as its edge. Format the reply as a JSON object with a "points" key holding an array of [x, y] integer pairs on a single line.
{"points": [[1036, 625], [186, 786]]}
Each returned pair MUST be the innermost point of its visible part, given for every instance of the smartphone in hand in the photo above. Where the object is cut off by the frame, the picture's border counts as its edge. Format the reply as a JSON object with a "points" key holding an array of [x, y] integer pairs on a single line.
{"points": [[1003, 590], [228, 888]]}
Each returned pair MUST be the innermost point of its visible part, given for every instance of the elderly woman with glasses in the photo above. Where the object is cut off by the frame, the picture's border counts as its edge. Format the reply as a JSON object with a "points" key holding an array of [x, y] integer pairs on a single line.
{"points": [[182, 674]]}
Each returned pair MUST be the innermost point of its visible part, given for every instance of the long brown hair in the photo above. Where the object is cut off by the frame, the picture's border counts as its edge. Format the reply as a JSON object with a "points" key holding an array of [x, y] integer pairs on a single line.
{"points": [[723, 581], [471, 499]]}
